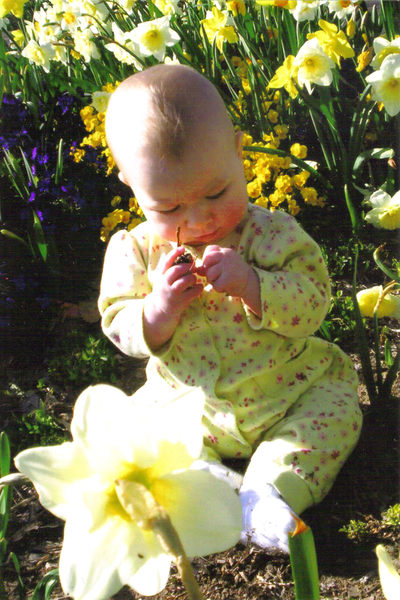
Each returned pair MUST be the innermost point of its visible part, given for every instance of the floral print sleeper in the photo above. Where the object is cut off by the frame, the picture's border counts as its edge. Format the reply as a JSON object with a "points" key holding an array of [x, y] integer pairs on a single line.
{"points": [[264, 381]]}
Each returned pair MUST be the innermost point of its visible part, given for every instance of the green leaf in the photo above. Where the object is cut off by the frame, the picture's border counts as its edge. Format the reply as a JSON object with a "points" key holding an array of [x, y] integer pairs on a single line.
{"points": [[303, 561], [4, 454], [59, 166], [13, 236], [374, 153], [39, 236], [44, 588]]}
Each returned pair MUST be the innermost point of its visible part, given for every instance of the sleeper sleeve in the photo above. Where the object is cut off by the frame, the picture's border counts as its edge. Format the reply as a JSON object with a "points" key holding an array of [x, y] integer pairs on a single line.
{"points": [[124, 285], [294, 281]]}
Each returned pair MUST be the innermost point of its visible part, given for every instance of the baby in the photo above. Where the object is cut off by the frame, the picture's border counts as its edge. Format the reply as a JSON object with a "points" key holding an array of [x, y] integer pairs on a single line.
{"points": [[236, 325]]}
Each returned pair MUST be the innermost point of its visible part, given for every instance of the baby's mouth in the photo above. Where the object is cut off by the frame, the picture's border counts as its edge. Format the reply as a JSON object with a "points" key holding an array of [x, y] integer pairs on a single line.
{"points": [[204, 239]]}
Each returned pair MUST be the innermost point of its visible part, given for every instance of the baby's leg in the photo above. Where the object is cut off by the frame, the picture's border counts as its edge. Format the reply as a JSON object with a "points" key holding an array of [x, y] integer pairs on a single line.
{"points": [[299, 459]]}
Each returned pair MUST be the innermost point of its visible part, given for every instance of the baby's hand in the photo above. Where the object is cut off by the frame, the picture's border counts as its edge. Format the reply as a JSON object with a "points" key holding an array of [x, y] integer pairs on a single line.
{"points": [[174, 288], [226, 270]]}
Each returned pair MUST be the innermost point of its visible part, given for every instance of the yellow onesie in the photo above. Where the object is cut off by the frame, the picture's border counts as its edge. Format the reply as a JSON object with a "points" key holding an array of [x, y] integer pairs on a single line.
{"points": [[265, 381]]}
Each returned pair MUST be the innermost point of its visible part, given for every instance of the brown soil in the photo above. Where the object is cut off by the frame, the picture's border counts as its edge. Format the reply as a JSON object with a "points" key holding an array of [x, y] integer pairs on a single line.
{"points": [[366, 487]]}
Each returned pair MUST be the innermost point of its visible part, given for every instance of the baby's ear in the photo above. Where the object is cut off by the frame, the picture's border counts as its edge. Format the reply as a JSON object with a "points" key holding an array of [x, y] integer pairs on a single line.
{"points": [[239, 143], [121, 177]]}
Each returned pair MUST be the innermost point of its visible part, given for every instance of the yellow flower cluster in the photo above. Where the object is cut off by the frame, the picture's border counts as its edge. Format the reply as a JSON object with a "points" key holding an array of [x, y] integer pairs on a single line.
{"points": [[273, 181], [128, 219], [94, 122]]}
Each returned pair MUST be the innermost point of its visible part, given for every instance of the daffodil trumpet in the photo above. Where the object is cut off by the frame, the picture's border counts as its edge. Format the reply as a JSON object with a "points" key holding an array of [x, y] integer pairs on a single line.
{"points": [[303, 561]]}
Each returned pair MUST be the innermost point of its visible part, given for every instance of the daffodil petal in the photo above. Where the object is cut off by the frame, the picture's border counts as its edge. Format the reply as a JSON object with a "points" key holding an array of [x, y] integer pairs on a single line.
{"points": [[379, 199], [95, 564], [54, 471], [389, 577], [205, 511], [114, 437], [178, 445]]}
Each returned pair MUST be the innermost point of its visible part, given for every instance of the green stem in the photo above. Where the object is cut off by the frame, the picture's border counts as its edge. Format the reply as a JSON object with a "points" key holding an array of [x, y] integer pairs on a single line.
{"points": [[391, 274], [351, 209], [361, 339], [377, 355], [169, 539]]}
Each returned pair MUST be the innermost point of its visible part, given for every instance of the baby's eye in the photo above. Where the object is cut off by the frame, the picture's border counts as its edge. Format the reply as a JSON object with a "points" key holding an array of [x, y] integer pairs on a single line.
{"points": [[171, 210], [215, 196]]}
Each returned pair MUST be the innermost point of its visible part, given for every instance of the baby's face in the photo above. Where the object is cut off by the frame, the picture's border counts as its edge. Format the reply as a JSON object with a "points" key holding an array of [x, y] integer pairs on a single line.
{"points": [[204, 194]]}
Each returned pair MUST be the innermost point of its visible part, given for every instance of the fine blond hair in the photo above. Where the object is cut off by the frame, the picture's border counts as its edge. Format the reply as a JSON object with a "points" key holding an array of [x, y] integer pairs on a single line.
{"points": [[163, 109]]}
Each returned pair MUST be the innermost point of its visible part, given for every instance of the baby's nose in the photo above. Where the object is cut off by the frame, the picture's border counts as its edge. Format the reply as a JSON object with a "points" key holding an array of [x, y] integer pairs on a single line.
{"points": [[200, 214]]}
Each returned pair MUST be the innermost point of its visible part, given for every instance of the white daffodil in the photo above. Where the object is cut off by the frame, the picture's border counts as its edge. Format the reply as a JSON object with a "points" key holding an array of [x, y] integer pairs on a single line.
{"points": [[388, 304], [384, 48], [153, 37], [123, 46], [84, 44], [305, 10], [386, 84], [125, 451], [313, 64], [389, 577], [46, 28], [168, 7], [100, 101], [385, 213], [342, 8], [39, 55]]}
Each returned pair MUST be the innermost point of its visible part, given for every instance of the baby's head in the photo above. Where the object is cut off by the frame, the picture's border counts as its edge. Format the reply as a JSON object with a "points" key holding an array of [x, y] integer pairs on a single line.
{"points": [[175, 146]]}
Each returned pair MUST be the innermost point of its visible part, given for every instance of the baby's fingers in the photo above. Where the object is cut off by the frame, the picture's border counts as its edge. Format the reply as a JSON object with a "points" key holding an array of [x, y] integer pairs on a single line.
{"points": [[169, 259], [183, 282]]}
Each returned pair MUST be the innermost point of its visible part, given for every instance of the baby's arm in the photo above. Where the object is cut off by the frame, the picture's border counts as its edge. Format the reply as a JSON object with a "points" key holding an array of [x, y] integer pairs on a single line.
{"points": [[139, 315], [228, 272], [173, 290]]}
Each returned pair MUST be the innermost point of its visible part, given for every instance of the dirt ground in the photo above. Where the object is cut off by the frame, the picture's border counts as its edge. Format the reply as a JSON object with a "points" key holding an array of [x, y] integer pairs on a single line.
{"points": [[366, 487]]}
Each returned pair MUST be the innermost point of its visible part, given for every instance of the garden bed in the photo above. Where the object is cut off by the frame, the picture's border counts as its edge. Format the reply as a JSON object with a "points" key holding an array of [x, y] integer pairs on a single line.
{"points": [[347, 525]]}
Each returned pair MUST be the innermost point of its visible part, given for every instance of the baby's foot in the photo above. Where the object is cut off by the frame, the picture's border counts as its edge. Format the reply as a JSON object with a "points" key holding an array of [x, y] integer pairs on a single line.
{"points": [[267, 519]]}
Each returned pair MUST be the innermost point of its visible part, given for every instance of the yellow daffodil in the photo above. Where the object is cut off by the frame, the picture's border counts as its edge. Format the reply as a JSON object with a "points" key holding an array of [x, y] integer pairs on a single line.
{"points": [[351, 29], [153, 37], [384, 48], [18, 36], [385, 213], [388, 305], [16, 7], [364, 59], [218, 26], [386, 84], [389, 577], [333, 42], [314, 65], [281, 3], [285, 77], [126, 456], [236, 7]]}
